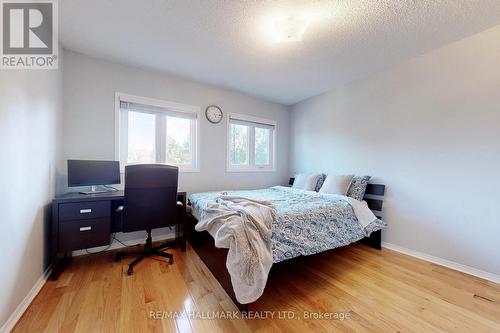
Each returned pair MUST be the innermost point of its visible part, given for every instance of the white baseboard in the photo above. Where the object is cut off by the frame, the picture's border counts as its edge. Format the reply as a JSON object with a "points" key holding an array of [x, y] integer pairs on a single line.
{"points": [[444, 262], [21, 308], [129, 242]]}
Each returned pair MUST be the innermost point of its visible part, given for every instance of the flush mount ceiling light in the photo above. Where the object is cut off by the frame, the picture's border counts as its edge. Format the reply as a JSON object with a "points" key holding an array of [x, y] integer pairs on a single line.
{"points": [[290, 29]]}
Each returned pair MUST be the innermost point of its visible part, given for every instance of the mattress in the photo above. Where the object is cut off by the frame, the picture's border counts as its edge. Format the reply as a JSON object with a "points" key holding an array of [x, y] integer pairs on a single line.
{"points": [[307, 222]]}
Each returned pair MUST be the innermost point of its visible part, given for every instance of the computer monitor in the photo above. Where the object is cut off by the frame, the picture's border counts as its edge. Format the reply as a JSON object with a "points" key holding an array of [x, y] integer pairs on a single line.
{"points": [[92, 173]]}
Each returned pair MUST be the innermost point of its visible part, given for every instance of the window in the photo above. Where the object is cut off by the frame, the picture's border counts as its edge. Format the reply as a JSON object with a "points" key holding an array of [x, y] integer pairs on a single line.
{"points": [[250, 143], [153, 131]]}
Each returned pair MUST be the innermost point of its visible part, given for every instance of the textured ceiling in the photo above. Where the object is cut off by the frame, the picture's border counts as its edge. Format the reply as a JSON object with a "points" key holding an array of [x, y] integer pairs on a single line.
{"points": [[226, 43]]}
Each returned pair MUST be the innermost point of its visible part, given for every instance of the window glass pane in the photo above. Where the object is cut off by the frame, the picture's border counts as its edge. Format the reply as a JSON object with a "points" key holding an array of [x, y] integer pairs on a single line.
{"points": [[141, 137], [262, 141], [239, 144], [179, 145]]}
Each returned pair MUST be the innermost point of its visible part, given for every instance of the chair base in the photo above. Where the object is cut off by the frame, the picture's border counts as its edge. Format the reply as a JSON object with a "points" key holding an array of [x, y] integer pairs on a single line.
{"points": [[147, 251]]}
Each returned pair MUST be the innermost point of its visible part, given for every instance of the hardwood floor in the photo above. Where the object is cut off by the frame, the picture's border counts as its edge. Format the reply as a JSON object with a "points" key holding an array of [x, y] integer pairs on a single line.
{"points": [[376, 291]]}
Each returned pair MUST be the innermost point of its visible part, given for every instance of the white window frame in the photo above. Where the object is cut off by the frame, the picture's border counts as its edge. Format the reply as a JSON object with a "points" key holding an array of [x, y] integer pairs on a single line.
{"points": [[252, 123], [171, 106]]}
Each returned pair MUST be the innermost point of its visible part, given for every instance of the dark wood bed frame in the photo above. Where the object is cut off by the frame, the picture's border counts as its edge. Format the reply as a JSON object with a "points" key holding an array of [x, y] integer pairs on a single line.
{"points": [[215, 258]]}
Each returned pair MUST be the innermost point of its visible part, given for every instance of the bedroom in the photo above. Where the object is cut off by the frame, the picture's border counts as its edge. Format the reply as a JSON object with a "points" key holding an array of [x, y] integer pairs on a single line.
{"points": [[245, 96]]}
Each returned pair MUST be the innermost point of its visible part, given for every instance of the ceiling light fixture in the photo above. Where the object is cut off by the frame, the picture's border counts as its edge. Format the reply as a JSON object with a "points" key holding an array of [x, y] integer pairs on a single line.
{"points": [[289, 29]]}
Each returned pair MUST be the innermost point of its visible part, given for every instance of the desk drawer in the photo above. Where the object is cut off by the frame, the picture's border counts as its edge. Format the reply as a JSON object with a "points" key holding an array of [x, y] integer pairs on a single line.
{"points": [[82, 234], [84, 210]]}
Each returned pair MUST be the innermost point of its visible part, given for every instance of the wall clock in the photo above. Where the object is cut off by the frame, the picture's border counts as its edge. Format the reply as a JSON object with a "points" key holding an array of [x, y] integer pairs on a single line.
{"points": [[213, 114]]}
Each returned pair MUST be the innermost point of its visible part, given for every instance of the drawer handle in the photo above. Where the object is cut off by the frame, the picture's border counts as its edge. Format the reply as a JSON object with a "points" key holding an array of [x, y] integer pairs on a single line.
{"points": [[85, 228], [85, 211]]}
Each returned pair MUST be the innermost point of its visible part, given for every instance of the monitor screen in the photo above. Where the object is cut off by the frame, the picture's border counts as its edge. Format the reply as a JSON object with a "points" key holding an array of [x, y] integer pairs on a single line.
{"points": [[88, 173]]}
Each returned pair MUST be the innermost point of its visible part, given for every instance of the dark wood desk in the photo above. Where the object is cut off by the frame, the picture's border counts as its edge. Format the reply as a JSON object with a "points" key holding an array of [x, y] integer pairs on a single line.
{"points": [[82, 221]]}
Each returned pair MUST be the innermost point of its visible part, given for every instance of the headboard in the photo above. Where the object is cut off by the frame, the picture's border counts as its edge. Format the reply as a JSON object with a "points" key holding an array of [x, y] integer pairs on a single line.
{"points": [[374, 197]]}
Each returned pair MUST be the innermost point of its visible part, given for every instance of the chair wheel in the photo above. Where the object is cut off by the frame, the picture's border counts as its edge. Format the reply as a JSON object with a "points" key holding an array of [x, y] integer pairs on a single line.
{"points": [[130, 271]]}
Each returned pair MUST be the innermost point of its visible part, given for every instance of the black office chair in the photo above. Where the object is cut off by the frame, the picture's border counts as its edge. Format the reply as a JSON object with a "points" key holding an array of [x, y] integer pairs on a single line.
{"points": [[150, 202]]}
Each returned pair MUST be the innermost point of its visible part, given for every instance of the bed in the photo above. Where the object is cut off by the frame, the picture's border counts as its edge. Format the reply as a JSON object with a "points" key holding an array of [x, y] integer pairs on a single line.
{"points": [[305, 223]]}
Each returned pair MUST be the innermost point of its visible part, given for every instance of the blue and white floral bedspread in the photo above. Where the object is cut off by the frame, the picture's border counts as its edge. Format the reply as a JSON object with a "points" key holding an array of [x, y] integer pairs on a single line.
{"points": [[306, 222]]}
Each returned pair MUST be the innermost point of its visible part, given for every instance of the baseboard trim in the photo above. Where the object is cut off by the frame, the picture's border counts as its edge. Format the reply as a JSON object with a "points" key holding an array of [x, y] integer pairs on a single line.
{"points": [[129, 242], [444, 262], [25, 303]]}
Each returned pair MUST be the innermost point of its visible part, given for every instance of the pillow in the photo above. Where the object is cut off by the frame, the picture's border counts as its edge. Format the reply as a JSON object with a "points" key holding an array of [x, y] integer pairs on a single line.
{"points": [[306, 182], [320, 182], [336, 184], [358, 187]]}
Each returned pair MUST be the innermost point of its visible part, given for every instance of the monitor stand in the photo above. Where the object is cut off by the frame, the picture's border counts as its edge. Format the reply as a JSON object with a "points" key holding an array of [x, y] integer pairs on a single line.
{"points": [[93, 190]]}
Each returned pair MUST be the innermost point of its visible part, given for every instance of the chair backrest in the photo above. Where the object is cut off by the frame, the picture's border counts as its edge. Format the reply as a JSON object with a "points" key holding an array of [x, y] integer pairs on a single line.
{"points": [[150, 196]]}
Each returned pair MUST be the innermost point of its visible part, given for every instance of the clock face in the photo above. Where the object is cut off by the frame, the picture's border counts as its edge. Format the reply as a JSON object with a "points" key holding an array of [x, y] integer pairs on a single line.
{"points": [[214, 114]]}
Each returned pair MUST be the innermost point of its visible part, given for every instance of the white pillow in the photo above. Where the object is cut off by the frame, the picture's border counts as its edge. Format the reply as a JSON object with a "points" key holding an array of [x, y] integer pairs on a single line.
{"points": [[305, 182], [336, 184]]}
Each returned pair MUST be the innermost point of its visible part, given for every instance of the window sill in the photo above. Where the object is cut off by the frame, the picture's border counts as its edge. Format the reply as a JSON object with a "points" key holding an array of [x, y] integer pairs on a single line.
{"points": [[250, 170], [189, 170], [122, 171]]}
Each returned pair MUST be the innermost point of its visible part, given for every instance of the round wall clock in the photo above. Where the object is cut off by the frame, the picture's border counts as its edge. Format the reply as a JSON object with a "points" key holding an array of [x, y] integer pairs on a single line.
{"points": [[213, 114]]}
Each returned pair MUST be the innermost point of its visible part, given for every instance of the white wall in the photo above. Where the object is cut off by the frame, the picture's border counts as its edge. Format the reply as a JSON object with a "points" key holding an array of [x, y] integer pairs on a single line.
{"points": [[429, 129], [89, 91], [89, 88], [29, 130]]}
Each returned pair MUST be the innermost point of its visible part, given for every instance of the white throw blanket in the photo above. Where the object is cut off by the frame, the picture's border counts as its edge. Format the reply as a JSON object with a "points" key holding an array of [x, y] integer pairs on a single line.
{"points": [[243, 226]]}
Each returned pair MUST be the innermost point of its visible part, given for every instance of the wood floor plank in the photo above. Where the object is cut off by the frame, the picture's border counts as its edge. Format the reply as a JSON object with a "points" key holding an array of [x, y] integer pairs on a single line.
{"points": [[335, 298], [35, 307], [435, 307], [379, 291], [133, 308], [196, 285], [377, 302], [461, 296], [160, 279]]}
